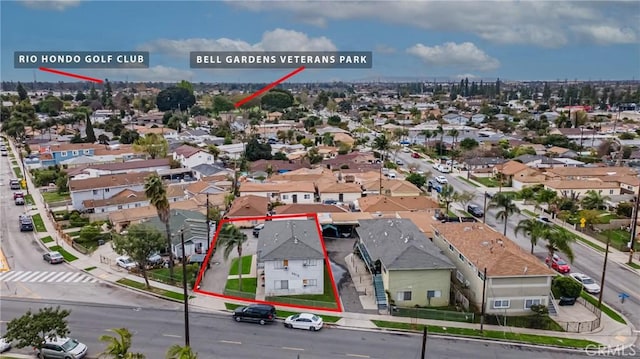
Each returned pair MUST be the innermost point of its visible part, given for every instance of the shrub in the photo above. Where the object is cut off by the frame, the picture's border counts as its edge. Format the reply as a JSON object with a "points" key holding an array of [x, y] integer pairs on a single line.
{"points": [[566, 287]]}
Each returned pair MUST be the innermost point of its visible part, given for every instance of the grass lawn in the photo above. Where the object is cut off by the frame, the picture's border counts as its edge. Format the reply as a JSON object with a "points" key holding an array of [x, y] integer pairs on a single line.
{"points": [[246, 265], [326, 300], [606, 310], [619, 238], [582, 239], [17, 172], [634, 265], [487, 181], [38, 223], [46, 239], [468, 181], [51, 197], [162, 274], [162, 292], [286, 313], [89, 269], [516, 337], [528, 212], [67, 256], [249, 285], [29, 199]]}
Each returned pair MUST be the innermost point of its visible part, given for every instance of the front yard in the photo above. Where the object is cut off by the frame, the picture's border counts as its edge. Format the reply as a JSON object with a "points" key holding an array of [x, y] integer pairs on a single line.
{"points": [[38, 223], [52, 197], [249, 286], [487, 181], [325, 300], [246, 265]]}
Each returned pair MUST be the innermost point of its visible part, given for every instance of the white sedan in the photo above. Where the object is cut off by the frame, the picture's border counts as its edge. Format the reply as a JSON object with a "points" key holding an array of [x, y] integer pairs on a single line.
{"points": [[4, 345], [126, 262], [442, 179], [589, 285], [305, 321]]}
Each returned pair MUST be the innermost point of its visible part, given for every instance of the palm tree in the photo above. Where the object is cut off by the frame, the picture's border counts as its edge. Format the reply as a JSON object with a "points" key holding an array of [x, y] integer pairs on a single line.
{"points": [[440, 131], [215, 151], [559, 240], [546, 196], [118, 345], [534, 228], [231, 238], [454, 136], [177, 351], [447, 195], [427, 136], [503, 202], [156, 192], [594, 200], [382, 144]]}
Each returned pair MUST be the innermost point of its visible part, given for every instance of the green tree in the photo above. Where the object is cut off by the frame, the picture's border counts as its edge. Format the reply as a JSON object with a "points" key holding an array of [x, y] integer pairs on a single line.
{"points": [[447, 195], [80, 96], [534, 228], [222, 104], [468, 144], [566, 287], [464, 198], [594, 200], [154, 145], [177, 351], [89, 233], [313, 155], [546, 196], [230, 238], [186, 85], [91, 135], [175, 98], [22, 93], [334, 120], [257, 151], [417, 179], [118, 345], [504, 203], [277, 100], [560, 240], [382, 144], [140, 242], [156, 192], [214, 151], [33, 329]]}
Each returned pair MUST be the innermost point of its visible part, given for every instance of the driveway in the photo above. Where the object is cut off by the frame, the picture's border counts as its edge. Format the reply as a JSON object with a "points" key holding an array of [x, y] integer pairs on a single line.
{"points": [[337, 250]]}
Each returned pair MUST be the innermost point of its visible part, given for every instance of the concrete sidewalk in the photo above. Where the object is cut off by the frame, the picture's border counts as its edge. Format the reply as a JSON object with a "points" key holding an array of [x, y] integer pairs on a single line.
{"points": [[100, 265]]}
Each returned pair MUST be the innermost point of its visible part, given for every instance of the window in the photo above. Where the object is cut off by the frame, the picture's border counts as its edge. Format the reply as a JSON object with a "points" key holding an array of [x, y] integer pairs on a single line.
{"points": [[501, 304], [106, 190], [461, 257], [86, 152], [480, 275], [120, 207], [529, 302], [137, 205], [75, 153], [307, 196], [95, 192], [310, 282], [434, 294], [281, 264], [459, 276], [282, 284], [451, 247], [403, 296], [436, 233], [285, 196], [310, 263], [63, 154], [610, 191]]}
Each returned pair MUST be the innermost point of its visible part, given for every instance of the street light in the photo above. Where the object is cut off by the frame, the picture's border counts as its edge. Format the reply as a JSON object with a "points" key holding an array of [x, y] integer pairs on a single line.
{"points": [[184, 289]]}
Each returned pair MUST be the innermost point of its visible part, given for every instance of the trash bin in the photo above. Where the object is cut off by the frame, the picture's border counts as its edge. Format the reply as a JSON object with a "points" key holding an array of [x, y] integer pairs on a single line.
{"points": [[100, 242]]}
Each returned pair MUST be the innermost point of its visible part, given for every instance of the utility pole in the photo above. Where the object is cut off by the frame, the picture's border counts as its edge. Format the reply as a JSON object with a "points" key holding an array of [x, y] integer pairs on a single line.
{"points": [[484, 213], [184, 291], [634, 224], [604, 271], [424, 342], [484, 294], [208, 224]]}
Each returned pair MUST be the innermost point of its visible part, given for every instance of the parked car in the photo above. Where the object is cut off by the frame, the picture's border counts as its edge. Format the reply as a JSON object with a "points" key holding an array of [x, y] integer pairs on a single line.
{"points": [[442, 179], [14, 183], [258, 313], [544, 219], [567, 301], [475, 210], [26, 223], [4, 153], [155, 260], [305, 321], [18, 194], [62, 348], [4, 344], [53, 257], [399, 162], [559, 264], [19, 201], [126, 262], [256, 229], [589, 285], [415, 155]]}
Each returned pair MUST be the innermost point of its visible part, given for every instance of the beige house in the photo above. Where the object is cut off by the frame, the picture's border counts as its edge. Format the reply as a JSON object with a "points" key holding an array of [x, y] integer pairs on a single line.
{"points": [[408, 270], [516, 280], [285, 192], [579, 188], [338, 191], [394, 188], [580, 173]]}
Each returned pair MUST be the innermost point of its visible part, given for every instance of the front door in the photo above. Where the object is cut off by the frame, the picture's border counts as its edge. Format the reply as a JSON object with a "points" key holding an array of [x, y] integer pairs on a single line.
{"points": [[341, 197], [295, 198]]}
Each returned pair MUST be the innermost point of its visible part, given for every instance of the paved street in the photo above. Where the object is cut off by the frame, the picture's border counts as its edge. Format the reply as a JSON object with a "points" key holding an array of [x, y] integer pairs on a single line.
{"points": [[216, 336], [618, 278]]}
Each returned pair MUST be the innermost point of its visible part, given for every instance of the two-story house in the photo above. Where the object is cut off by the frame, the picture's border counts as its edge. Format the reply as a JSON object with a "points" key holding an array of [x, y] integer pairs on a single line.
{"points": [[404, 263], [515, 279], [190, 156], [285, 192], [54, 154], [104, 187], [291, 255]]}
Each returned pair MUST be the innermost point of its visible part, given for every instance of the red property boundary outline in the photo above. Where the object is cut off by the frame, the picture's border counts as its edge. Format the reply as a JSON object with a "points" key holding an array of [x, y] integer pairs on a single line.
{"points": [[327, 263]]}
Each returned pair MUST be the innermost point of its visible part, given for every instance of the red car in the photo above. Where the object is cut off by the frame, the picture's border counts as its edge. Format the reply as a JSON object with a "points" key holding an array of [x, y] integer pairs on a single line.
{"points": [[559, 264], [415, 155], [18, 194]]}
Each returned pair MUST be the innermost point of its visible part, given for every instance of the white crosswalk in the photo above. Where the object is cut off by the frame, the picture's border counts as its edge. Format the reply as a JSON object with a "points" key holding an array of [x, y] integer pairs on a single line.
{"points": [[46, 277]]}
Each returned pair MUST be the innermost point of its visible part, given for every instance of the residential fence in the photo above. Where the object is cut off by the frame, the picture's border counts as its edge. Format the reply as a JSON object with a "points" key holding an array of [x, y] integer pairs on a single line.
{"points": [[587, 326], [239, 294], [435, 314], [304, 302]]}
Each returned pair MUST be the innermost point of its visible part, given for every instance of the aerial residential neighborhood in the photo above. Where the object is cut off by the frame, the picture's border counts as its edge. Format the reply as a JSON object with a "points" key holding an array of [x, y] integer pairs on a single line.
{"points": [[424, 174]]}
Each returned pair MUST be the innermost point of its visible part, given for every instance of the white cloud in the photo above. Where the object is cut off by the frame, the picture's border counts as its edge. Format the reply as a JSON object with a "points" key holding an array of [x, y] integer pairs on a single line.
{"points": [[276, 40], [50, 4], [384, 49], [605, 34], [466, 76], [541, 23], [464, 55], [155, 74]]}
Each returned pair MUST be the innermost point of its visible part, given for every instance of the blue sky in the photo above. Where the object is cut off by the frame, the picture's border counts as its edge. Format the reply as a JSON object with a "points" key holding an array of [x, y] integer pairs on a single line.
{"points": [[516, 40]]}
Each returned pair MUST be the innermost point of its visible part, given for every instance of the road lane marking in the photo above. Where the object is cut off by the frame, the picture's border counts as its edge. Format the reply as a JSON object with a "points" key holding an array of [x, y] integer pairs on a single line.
{"points": [[48, 276], [230, 342], [29, 277], [358, 355], [289, 348], [171, 336], [55, 277], [64, 277], [38, 277], [73, 277]]}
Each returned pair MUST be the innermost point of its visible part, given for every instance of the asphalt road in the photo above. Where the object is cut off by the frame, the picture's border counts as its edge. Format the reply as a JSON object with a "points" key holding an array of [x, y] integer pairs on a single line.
{"points": [[216, 336], [619, 279]]}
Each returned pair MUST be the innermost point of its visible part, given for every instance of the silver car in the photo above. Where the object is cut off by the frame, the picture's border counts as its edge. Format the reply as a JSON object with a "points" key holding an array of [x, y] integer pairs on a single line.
{"points": [[63, 348]]}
